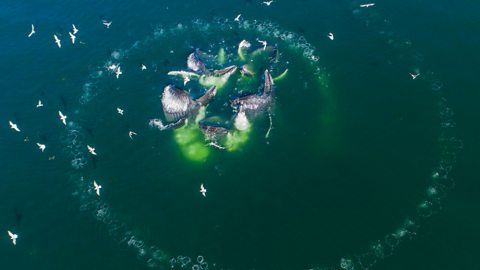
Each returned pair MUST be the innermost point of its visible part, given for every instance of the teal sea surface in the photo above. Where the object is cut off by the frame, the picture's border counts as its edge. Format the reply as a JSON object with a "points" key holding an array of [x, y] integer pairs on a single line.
{"points": [[364, 159]]}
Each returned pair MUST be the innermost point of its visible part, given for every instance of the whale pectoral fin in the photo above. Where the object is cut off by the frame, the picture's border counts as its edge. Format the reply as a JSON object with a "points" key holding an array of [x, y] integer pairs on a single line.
{"points": [[281, 76], [180, 123], [207, 97], [231, 69], [267, 89], [158, 123]]}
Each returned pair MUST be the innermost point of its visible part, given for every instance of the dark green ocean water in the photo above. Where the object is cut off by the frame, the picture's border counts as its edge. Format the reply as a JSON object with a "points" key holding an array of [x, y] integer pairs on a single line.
{"points": [[364, 167]]}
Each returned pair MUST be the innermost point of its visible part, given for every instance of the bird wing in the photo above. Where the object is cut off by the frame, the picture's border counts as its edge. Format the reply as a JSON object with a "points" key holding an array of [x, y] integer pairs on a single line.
{"points": [[11, 234]]}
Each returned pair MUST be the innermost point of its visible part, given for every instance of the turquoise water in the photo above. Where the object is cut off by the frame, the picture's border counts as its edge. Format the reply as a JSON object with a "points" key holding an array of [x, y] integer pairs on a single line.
{"points": [[354, 174]]}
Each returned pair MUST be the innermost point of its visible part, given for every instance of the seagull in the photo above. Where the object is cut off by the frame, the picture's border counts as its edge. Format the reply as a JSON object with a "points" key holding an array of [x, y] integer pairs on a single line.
{"points": [[203, 190], [72, 36], [268, 3], [185, 80], [39, 104], [57, 41], [118, 72], [63, 117], [330, 36], [14, 126], [112, 67], [237, 19], [97, 187], [75, 30], [414, 76], [120, 111], [131, 134], [32, 32], [144, 67], [13, 237], [91, 150], [264, 43], [367, 5], [107, 24], [41, 146]]}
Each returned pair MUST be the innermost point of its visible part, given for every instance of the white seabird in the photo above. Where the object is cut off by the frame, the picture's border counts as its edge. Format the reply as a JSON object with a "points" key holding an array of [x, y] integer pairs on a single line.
{"points": [[32, 32], [144, 67], [39, 104], [75, 30], [131, 134], [13, 237], [57, 40], [118, 72], [41, 146], [237, 19], [112, 67], [367, 5], [330, 36], [14, 126], [120, 111], [63, 117], [72, 36], [264, 43], [91, 150], [414, 76], [97, 187], [106, 23], [268, 3], [203, 190]]}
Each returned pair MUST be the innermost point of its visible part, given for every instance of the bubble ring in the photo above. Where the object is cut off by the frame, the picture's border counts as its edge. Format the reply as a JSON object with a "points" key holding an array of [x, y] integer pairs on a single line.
{"points": [[441, 176]]}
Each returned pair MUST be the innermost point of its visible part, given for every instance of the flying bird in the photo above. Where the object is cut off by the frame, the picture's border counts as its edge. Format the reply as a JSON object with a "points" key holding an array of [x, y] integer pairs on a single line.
{"points": [[144, 67], [131, 134], [14, 126], [75, 30], [57, 40], [39, 104], [91, 150], [41, 146], [13, 237], [268, 3], [237, 19], [72, 36], [97, 187], [32, 32], [63, 117], [112, 67], [367, 5], [118, 72], [330, 36], [120, 111], [264, 43], [203, 190], [106, 23], [414, 76]]}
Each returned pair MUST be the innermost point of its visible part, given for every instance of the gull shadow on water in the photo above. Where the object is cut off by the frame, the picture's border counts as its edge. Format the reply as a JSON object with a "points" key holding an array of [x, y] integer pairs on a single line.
{"points": [[90, 131], [63, 102], [94, 162], [18, 215]]}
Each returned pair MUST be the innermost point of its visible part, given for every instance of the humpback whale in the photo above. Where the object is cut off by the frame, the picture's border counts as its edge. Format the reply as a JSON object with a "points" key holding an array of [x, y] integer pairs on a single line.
{"points": [[194, 63], [252, 103], [255, 102], [178, 105]]}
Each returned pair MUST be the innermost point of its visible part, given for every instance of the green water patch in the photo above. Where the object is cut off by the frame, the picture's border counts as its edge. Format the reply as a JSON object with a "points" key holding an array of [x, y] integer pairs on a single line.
{"points": [[191, 143]]}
